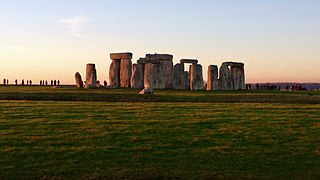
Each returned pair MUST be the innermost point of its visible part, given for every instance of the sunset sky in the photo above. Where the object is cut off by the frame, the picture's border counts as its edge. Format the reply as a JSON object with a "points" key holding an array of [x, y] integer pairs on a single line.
{"points": [[277, 40]]}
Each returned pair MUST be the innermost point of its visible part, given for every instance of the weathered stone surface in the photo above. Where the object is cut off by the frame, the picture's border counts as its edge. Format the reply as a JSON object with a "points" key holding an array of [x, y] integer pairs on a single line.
{"points": [[79, 82], [91, 76], [141, 61], [225, 80], [178, 80], [231, 76], [237, 75], [150, 57], [125, 72], [137, 76], [192, 61], [196, 78], [186, 79], [118, 56], [114, 74], [146, 91], [212, 80], [167, 67], [154, 76]]}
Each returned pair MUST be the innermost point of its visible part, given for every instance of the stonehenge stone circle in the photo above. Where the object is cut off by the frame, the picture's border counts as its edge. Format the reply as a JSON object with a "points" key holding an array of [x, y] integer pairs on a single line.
{"points": [[137, 76], [91, 76], [196, 78], [120, 70], [157, 71], [212, 80], [178, 80], [79, 82]]}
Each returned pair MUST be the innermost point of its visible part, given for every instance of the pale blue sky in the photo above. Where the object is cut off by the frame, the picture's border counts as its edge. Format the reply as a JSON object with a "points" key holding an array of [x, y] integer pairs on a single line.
{"points": [[53, 39]]}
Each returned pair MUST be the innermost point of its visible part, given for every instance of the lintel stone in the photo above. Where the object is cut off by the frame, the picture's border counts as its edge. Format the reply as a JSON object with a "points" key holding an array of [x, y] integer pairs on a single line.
{"points": [[192, 61], [125, 55]]}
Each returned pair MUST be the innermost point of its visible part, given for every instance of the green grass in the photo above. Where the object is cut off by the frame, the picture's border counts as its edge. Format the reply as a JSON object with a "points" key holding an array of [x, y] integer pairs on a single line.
{"points": [[164, 139]]}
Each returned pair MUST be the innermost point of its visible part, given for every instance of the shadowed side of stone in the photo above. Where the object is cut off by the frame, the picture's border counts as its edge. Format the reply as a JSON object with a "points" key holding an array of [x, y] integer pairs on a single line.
{"points": [[79, 82]]}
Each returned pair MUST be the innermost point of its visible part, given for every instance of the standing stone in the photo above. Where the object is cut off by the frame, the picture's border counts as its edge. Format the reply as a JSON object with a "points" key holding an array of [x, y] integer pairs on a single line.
{"points": [[167, 67], [212, 81], [196, 78], [79, 82], [125, 72], [137, 76], [91, 76], [120, 74], [114, 73], [178, 80], [186, 79], [225, 80], [237, 74], [154, 76], [166, 64]]}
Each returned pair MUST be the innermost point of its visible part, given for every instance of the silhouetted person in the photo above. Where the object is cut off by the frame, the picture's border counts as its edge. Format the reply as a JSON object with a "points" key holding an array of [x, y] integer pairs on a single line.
{"points": [[46, 83], [51, 82], [27, 82], [4, 81], [7, 81], [30, 82], [16, 81], [58, 82], [105, 83], [55, 82], [22, 82], [40, 82]]}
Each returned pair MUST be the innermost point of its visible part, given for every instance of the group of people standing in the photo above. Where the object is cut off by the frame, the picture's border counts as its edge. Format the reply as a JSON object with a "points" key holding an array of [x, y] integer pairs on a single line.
{"points": [[29, 82]]}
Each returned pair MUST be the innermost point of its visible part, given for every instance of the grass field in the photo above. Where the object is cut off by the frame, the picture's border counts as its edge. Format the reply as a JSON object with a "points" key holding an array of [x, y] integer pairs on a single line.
{"points": [[71, 133]]}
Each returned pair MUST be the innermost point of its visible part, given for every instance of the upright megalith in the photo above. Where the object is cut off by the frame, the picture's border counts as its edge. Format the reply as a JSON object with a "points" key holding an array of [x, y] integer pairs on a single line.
{"points": [[212, 80], [137, 76], [79, 82], [196, 78], [120, 69], [114, 73], [91, 76], [186, 79], [166, 65], [225, 80], [178, 80], [231, 76], [125, 72], [237, 75], [154, 76]]}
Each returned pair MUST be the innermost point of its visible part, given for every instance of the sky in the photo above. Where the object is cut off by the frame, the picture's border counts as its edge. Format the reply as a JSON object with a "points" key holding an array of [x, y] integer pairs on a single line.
{"points": [[277, 40]]}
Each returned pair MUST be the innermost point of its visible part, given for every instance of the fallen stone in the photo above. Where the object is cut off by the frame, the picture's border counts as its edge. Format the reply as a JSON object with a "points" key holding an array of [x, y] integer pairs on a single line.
{"points": [[147, 91]]}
